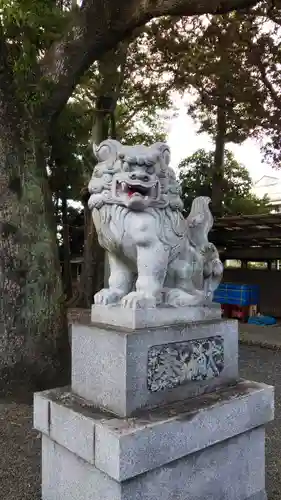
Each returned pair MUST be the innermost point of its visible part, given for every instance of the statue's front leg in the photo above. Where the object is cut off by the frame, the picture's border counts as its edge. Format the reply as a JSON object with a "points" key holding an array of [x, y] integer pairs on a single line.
{"points": [[152, 262], [120, 282]]}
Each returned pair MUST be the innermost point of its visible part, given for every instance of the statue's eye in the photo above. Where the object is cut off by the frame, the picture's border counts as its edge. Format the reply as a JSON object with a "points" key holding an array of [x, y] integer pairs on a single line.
{"points": [[150, 169], [107, 178]]}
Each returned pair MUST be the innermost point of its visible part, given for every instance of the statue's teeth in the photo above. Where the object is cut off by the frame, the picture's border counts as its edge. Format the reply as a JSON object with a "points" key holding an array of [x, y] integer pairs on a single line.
{"points": [[123, 185]]}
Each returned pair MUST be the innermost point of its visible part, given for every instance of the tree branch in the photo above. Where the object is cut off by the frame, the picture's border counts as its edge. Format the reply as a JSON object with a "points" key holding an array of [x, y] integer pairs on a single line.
{"points": [[98, 26], [256, 57], [196, 7], [272, 92]]}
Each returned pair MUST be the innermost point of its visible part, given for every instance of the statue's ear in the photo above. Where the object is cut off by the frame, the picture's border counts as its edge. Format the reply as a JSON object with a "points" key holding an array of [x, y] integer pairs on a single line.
{"points": [[164, 151], [107, 149]]}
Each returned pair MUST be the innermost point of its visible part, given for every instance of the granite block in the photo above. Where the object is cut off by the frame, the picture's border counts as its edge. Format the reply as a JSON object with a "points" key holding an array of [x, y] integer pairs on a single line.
{"points": [[67, 477], [128, 447], [260, 495], [41, 412], [125, 449], [72, 430], [99, 367], [133, 319], [231, 470], [118, 370]]}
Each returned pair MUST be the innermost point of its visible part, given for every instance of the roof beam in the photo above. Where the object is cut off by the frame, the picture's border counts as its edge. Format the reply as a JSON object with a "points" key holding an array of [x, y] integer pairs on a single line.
{"points": [[255, 254]]}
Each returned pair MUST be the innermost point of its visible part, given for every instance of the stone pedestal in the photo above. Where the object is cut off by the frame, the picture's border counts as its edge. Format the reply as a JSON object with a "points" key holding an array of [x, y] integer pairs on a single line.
{"points": [[154, 412], [124, 369]]}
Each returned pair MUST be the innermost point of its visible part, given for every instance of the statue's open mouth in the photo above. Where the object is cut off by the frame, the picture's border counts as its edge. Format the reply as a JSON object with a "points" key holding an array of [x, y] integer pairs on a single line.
{"points": [[137, 189]]}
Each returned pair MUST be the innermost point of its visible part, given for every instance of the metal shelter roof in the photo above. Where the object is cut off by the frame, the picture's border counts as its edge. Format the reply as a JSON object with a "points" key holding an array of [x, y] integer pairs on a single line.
{"points": [[248, 236]]}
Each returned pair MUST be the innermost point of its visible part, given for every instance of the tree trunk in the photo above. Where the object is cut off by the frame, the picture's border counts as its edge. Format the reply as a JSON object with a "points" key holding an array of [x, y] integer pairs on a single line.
{"points": [[93, 262], [33, 329], [93, 256], [67, 276], [34, 341], [92, 276], [218, 167]]}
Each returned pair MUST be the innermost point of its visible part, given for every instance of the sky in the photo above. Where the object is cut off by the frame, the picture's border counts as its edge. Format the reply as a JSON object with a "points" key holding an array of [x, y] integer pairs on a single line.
{"points": [[183, 141]]}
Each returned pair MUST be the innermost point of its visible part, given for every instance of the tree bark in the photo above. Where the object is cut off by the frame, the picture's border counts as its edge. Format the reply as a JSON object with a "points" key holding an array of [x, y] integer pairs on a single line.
{"points": [[92, 275], [221, 129], [33, 339], [67, 276], [218, 167], [34, 342]]}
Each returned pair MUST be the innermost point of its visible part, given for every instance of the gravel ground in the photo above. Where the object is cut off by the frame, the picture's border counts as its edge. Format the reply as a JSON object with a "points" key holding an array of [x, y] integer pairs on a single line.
{"points": [[20, 445], [264, 365], [19, 454]]}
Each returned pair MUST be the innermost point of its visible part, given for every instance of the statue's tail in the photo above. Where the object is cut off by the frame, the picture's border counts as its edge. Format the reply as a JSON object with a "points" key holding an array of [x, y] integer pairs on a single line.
{"points": [[199, 222]]}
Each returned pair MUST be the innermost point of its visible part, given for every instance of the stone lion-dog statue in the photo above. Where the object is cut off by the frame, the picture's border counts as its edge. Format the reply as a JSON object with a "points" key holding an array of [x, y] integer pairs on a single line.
{"points": [[156, 256]]}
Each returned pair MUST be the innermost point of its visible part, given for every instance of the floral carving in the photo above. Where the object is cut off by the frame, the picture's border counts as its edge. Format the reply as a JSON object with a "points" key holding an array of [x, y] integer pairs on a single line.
{"points": [[171, 365]]}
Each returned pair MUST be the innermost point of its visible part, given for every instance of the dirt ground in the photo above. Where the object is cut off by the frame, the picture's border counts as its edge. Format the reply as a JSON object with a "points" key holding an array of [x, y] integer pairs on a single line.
{"points": [[20, 444], [19, 453]]}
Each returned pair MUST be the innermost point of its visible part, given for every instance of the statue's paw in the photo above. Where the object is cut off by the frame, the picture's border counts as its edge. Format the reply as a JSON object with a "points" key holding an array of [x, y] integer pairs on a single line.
{"points": [[108, 296], [138, 300], [179, 298], [217, 268]]}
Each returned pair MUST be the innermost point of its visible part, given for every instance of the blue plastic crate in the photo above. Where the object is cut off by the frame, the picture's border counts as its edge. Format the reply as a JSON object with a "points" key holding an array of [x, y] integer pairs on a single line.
{"points": [[241, 295]]}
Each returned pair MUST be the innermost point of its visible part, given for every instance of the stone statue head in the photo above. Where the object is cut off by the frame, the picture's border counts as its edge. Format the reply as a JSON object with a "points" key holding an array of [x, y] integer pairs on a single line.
{"points": [[135, 177]]}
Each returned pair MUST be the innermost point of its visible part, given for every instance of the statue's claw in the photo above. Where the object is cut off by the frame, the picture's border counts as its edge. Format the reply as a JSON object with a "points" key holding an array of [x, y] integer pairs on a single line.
{"points": [[179, 298], [138, 300], [108, 296]]}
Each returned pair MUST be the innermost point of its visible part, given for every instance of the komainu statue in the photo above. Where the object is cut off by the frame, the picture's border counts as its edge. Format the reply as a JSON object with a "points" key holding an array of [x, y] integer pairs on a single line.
{"points": [[156, 256]]}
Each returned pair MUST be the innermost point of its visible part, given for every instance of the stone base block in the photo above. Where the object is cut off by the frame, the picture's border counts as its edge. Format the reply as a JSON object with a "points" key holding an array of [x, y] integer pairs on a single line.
{"points": [[233, 470], [209, 448], [134, 319], [125, 370]]}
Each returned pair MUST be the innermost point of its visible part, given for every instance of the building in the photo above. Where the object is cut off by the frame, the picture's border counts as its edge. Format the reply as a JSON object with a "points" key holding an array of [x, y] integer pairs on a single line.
{"points": [[250, 247], [271, 187]]}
